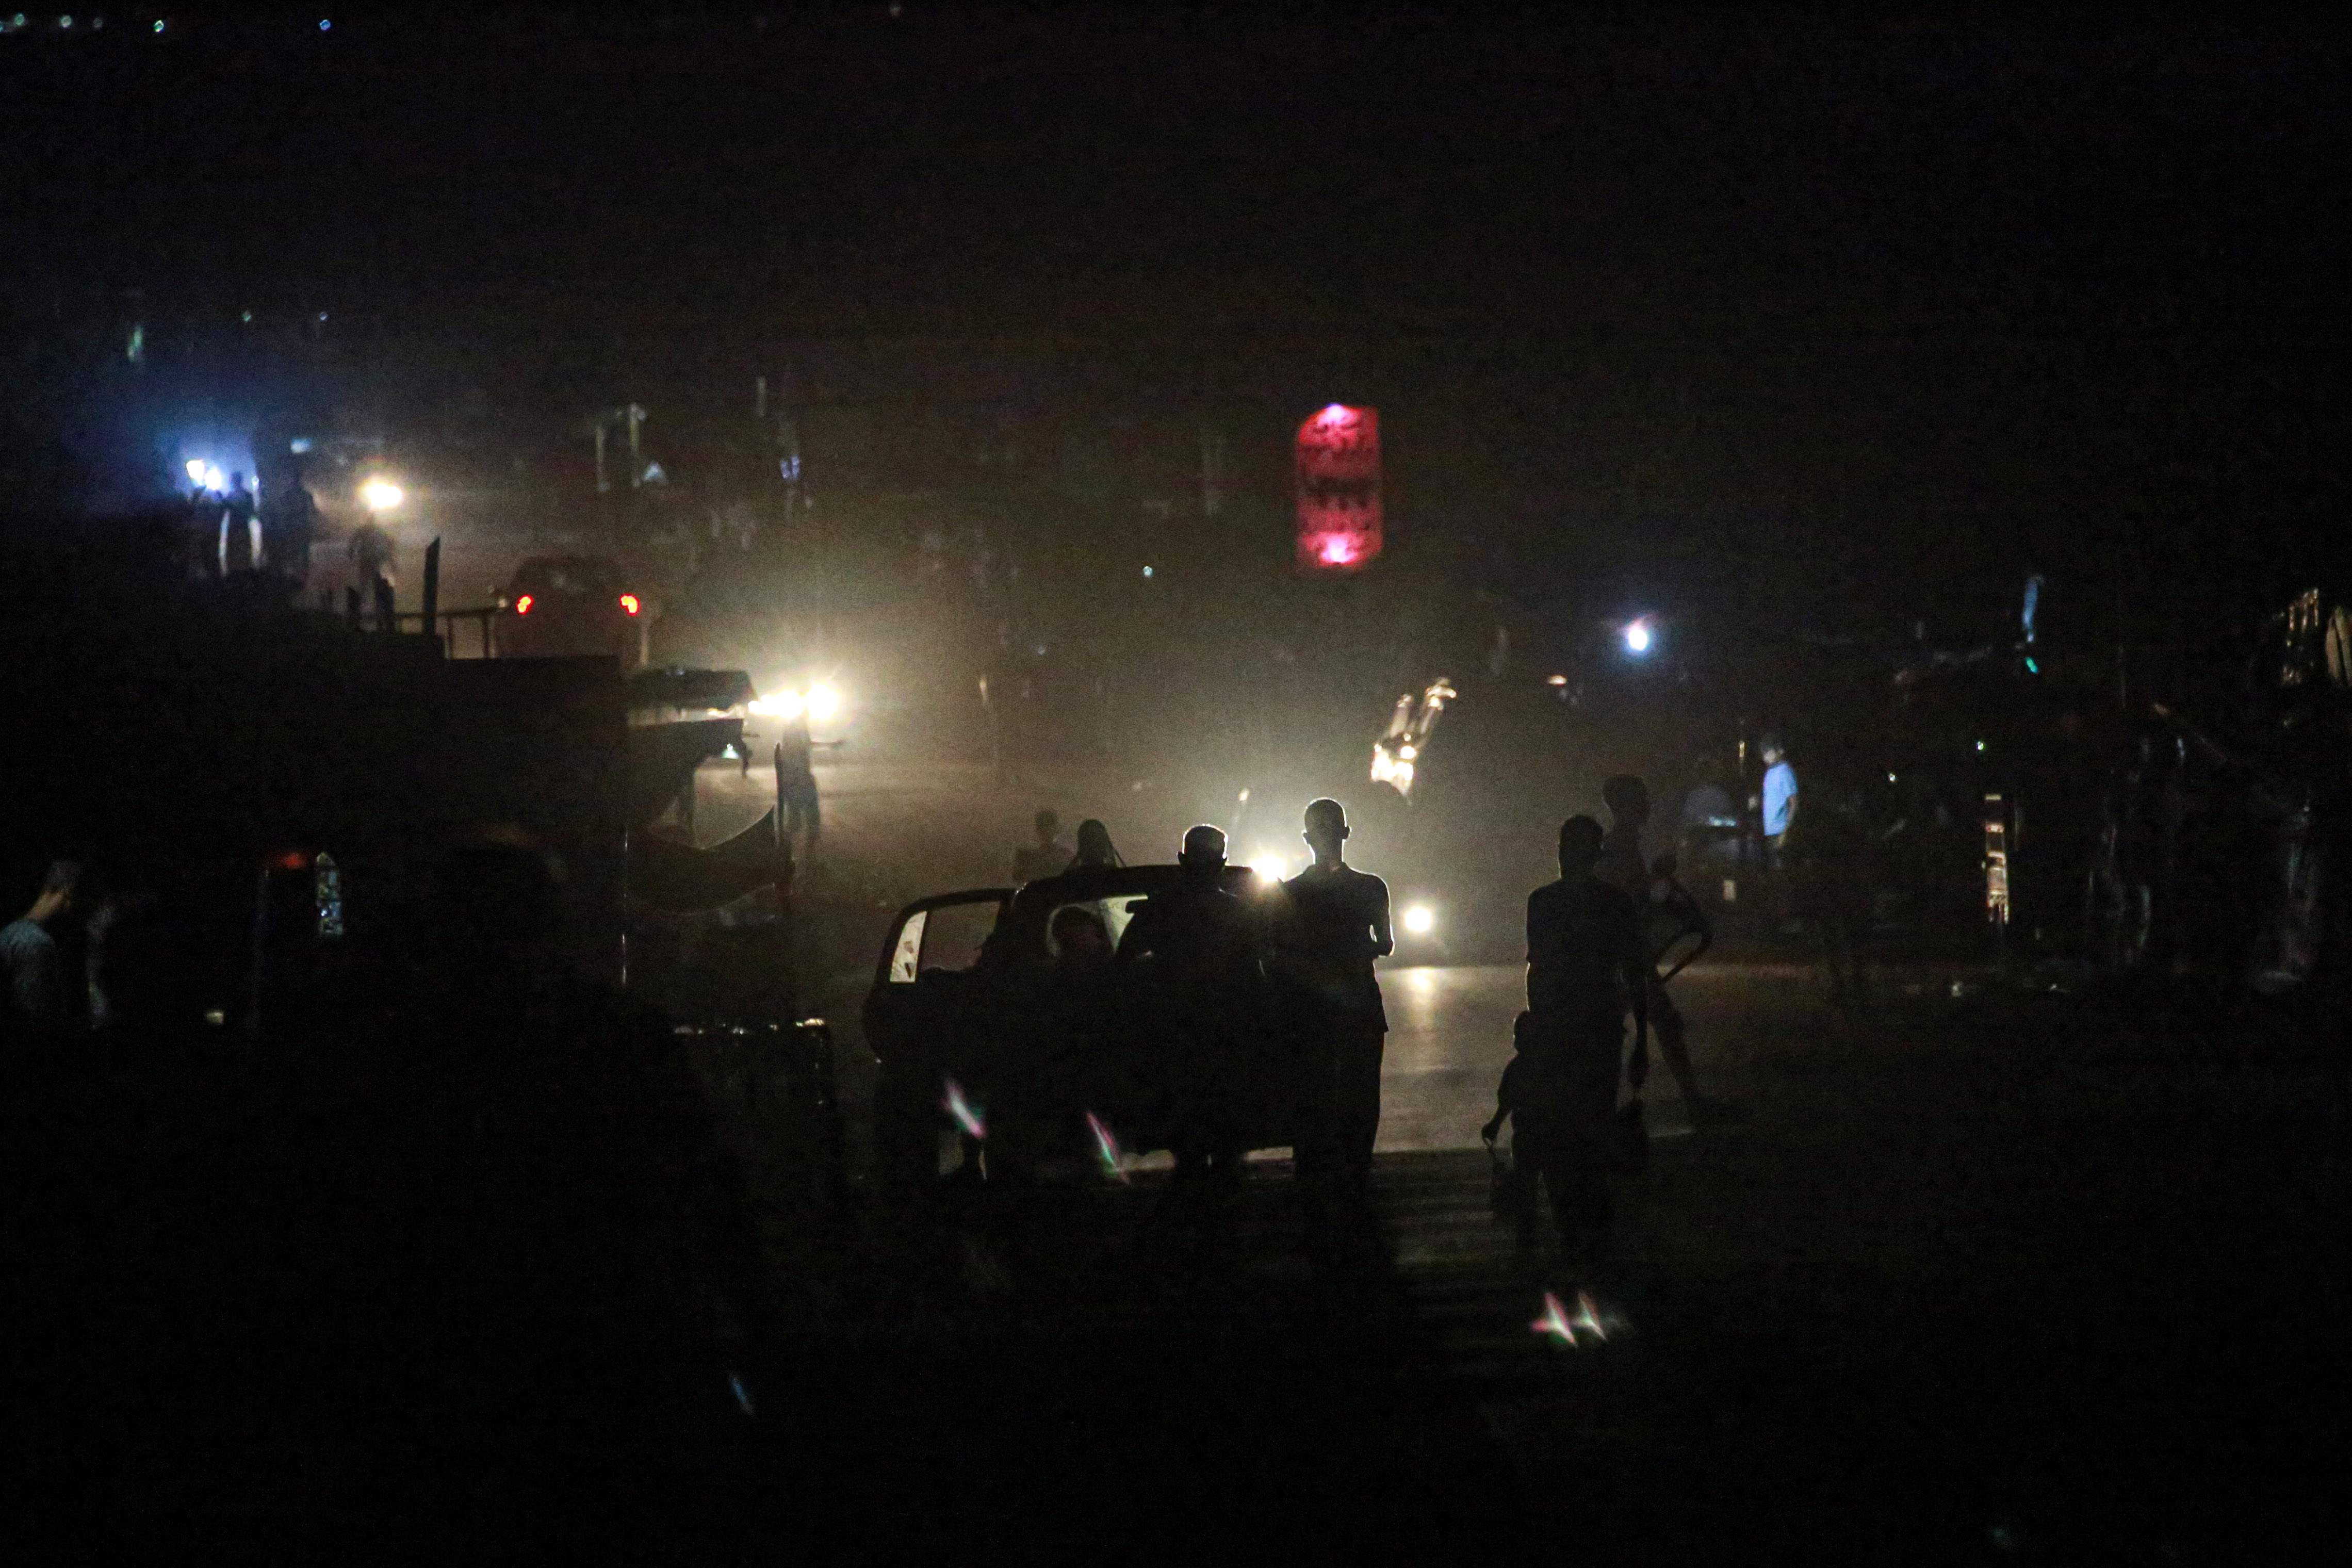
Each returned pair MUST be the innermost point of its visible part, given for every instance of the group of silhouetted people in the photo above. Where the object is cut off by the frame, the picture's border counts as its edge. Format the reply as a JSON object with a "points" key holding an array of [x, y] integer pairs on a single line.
{"points": [[1305, 954], [234, 533]]}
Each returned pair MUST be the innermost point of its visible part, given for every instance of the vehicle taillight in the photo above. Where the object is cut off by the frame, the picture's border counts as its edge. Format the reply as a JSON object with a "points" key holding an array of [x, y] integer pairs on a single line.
{"points": [[522, 605], [628, 604]]}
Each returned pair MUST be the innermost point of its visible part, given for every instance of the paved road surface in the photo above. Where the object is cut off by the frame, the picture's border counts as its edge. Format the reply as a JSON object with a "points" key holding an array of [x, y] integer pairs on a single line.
{"points": [[2057, 1282], [1956, 1288]]}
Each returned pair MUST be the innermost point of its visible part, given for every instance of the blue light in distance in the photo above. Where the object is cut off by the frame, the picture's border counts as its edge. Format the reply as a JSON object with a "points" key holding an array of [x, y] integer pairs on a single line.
{"points": [[1638, 637]]}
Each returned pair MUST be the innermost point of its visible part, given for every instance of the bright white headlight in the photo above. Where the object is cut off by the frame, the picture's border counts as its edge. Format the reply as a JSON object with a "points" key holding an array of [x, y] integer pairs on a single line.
{"points": [[784, 705], [1420, 919]]}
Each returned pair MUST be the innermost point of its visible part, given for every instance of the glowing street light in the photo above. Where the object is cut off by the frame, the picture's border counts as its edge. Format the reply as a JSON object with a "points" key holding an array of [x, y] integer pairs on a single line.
{"points": [[381, 495], [1420, 919], [1638, 637]]}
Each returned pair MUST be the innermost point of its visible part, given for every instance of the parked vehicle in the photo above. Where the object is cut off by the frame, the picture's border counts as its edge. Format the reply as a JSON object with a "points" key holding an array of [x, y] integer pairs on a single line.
{"points": [[980, 1032]]}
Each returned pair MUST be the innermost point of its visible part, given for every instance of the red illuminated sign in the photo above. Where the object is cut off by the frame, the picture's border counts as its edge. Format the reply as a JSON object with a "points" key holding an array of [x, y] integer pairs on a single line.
{"points": [[1339, 488]]}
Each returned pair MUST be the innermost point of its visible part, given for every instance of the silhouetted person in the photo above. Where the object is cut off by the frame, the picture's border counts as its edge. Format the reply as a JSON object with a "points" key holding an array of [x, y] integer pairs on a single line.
{"points": [[796, 786], [1585, 967], [204, 531], [1095, 847], [240, 534], [1194, 944], [371, 552], [1047, 857], [1623, 868], [1082, 947], [1334, 923], [290, 527], [40, 999]]}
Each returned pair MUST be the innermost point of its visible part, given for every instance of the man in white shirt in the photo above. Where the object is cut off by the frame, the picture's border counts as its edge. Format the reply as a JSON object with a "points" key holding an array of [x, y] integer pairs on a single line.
{"points": [[1779, 796]]}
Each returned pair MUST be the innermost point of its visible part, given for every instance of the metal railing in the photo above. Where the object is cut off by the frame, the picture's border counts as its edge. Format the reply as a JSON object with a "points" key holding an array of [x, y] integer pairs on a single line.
{"points": [[480, 640]]}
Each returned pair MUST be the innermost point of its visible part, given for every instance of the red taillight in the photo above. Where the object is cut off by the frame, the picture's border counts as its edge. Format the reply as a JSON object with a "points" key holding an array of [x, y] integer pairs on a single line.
{"points": [[292, 860], [629, 604], [522, 605]]}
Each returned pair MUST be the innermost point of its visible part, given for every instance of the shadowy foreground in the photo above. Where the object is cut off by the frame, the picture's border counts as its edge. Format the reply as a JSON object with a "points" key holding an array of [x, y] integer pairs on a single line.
{"points": [[2025, 1281]]}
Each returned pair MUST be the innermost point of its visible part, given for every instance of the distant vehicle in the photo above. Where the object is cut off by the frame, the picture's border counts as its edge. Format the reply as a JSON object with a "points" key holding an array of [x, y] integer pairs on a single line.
{"points": [[975, 1027], [557, 606]]}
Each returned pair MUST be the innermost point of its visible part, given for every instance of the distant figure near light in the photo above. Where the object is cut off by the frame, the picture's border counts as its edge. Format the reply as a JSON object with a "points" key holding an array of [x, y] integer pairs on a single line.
{"points": [[1334, 923], [795, 758], [1622, 866], [240, 531], [1046, 857]]}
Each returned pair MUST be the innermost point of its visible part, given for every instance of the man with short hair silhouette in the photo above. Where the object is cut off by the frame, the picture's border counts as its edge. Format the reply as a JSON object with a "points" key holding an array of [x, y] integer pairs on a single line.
{"points": [[1335, 922], [1585, 968], [1194, 944]]}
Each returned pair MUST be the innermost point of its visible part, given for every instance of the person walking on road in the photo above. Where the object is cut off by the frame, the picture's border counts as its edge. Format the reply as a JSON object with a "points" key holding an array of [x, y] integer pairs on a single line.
{"points": [[1585, 969], [1333, 925], [1623, 868], [796, 787]]}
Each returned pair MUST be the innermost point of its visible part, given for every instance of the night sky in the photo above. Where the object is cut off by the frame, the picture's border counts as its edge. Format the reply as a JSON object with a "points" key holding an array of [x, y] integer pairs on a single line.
{"points": [[1869, 312]]}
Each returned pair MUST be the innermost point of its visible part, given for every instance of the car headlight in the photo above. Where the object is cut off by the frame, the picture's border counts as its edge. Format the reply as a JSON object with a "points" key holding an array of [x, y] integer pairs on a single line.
{"points": [[822, 702], [784, 705]]}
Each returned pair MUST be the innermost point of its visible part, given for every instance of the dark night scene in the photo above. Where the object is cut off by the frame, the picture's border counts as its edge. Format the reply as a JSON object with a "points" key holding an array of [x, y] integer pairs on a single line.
{"points": [[929, 782]]}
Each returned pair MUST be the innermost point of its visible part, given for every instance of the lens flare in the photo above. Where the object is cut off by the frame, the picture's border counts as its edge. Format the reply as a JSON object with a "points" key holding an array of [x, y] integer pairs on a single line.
{"points": [[1558, 1323], [1106, 1146], [966, 1114]]}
